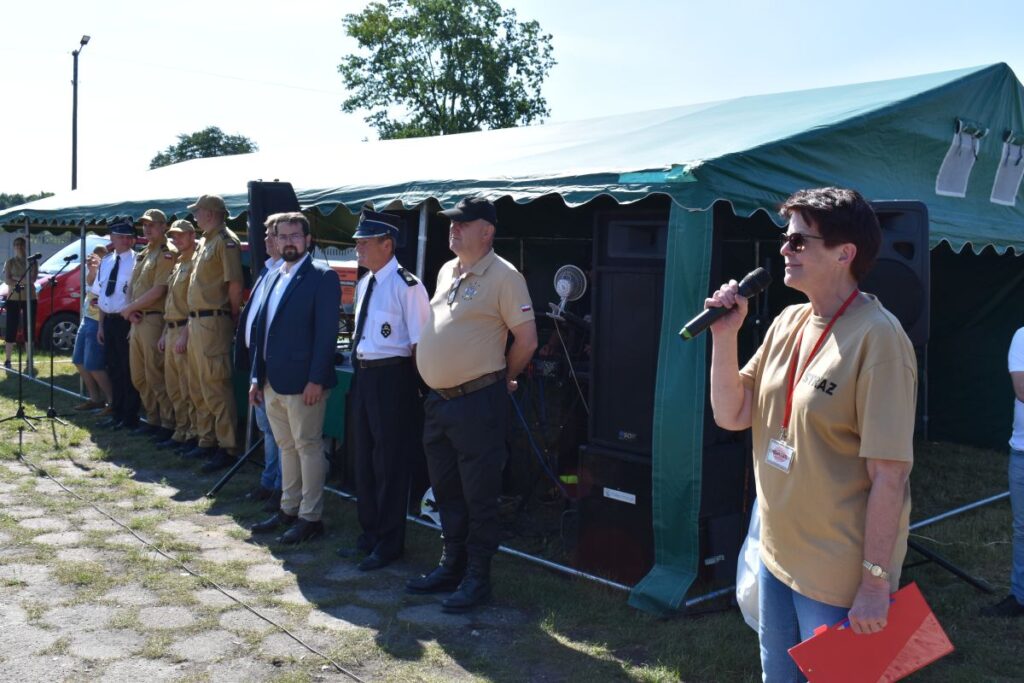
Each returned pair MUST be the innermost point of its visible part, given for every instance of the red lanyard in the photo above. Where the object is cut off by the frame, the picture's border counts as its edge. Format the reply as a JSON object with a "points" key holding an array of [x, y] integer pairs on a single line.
{"points": [[793, 379]]}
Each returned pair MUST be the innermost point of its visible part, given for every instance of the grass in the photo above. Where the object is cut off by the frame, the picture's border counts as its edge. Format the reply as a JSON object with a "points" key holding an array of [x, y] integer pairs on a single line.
{"points": [[567, 629]]}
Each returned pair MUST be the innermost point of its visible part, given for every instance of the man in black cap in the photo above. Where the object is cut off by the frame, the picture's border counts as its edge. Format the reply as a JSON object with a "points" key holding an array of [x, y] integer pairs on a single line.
{"points": [[480, 299], [391, 309], [111, 290]]}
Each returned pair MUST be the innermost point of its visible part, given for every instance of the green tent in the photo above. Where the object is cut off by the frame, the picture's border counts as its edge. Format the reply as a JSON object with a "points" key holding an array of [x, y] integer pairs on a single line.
{"points": [[951, 140]]}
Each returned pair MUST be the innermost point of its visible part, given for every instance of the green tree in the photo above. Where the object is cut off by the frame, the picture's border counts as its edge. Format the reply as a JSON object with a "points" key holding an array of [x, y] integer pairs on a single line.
{"points": [[445, 66], [209, 142], [7, 200]]}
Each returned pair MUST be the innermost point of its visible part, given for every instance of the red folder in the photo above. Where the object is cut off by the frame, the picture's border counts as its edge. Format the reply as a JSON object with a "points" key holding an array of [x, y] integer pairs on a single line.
{"points": [[912, 639]]}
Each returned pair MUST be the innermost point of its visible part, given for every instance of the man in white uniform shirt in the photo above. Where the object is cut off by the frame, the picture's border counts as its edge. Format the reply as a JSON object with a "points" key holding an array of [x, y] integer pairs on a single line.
{"points": [[392, 308], [111, 290]]}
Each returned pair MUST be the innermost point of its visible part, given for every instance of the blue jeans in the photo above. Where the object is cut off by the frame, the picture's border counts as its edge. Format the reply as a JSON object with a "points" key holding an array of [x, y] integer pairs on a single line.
{"points": [[271, 477], [787, 618], [1017, 505]]}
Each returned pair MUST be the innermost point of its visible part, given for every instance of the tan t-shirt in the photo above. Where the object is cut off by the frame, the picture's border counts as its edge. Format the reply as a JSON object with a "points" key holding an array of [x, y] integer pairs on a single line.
{"points": [[14, 270], [855, 401], [218, 262], [176, 304], [467, 339], [152, 267]]}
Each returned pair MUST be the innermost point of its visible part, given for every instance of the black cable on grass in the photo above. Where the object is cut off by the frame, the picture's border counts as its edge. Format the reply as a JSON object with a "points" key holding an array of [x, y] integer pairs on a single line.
{"points": [[182, 565]]}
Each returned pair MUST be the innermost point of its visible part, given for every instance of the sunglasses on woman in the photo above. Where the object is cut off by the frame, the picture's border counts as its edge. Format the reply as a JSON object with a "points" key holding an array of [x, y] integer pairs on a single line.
{"points": [[797, 241]]}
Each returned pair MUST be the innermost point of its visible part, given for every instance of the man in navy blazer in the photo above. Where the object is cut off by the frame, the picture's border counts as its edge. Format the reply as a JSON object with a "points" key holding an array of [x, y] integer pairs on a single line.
{"points": [[292, 355]]}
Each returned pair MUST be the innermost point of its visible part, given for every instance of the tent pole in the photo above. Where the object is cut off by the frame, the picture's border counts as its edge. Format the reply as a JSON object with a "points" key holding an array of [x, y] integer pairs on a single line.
{"points": [[421, 243], [82, 290], [30, 290]]}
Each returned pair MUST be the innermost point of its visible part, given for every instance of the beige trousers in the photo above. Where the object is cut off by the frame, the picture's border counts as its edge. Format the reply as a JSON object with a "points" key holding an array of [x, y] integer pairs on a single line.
{"points": [[298, 430], [147, 368], [209, 364], [176, 377]]}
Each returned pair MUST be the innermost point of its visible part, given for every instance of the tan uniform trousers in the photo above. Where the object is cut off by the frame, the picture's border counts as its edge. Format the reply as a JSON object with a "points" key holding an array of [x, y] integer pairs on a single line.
{"points": [[176, 377], [209, 364], [147, 368], [298, 430]]}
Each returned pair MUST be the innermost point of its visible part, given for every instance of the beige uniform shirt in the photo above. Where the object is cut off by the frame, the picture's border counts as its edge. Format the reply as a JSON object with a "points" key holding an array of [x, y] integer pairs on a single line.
{"points": [[152, 268], [218, 262], [855, 401], [466, 339], [176, 304]]}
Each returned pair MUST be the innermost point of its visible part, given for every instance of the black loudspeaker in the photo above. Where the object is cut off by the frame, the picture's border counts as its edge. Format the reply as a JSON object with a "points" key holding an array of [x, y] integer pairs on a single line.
{"points": [[901, 277], [616, 535], [629, 250], [266, 199]]}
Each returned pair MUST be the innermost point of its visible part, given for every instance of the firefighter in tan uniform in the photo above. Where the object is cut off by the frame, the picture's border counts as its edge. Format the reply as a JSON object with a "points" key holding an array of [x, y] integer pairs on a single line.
{"points": [[146, 313], [174, 342], [214, 299]]}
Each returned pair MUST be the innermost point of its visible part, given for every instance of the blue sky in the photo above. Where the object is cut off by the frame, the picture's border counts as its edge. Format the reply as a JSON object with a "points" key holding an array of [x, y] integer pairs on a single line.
{"points": [[155, 70]]}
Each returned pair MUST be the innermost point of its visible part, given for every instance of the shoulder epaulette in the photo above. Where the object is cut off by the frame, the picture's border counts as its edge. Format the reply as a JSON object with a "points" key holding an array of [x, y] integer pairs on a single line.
{"points": [[410, 279]]}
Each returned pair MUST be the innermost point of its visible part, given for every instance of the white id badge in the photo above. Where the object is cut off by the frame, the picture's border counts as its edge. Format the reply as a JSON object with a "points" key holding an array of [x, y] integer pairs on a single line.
{"points": [[780, 455]]}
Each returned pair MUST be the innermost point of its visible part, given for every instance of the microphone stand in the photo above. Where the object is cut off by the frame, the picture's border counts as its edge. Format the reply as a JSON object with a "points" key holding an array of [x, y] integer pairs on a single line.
{"points": [[20, 414], [51, 412]]}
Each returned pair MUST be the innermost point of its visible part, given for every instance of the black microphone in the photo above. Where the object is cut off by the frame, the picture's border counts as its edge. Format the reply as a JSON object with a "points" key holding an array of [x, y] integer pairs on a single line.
{"points": [[35, 257], [753, 284], [70, 258]]}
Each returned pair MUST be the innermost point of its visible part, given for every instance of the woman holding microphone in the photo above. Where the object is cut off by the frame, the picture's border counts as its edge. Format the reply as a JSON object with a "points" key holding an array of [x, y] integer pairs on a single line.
{"points": [[830, 396]]}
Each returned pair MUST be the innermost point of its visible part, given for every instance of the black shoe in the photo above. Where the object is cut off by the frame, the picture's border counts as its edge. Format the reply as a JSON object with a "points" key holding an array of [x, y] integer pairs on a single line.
{"points": [[275, 522], [200, 453], [143, 429], [169, 444], [220, 460], [364, 546], [375, 561], [274, 502], [161, 434], [186, 446], [474, 590], [302, 530], [117, 425], [259, 493], [107, 423], [1007, 607], [125, 425], [443, 579]]}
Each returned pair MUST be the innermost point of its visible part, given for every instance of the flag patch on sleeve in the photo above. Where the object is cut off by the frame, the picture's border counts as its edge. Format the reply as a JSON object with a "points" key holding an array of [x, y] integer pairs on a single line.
{"points": [[525, 308]]}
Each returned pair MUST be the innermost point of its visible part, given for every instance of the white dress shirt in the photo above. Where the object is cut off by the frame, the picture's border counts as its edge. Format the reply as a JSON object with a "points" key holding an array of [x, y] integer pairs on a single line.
{"points": [[119, 299], [277, 287], [258, 294], [398, 311]]}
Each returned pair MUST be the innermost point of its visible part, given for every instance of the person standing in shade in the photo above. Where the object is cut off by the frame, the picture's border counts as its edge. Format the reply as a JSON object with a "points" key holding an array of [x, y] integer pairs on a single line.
{"points": [[1013, 604], [111, 289], [214, 299], [269, 488], [174, 340], [88, 356], [392, 308], [21, 287], [480, 299], [148, 290], [292, 356]]}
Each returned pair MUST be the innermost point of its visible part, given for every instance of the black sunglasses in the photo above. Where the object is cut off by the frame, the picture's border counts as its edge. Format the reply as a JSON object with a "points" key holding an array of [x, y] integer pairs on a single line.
{"points": [[797, 241], [453, 291]]}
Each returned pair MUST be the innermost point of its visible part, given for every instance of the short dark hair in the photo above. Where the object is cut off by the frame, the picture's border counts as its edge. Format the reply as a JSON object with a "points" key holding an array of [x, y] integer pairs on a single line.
{"points": [[20, 240], [841, 216], [292, 217]]}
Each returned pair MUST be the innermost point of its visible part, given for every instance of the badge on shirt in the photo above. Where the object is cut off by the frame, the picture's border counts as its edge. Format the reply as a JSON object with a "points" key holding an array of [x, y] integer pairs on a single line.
{"points": [[780, 455], [471, 290], [385, 330]]}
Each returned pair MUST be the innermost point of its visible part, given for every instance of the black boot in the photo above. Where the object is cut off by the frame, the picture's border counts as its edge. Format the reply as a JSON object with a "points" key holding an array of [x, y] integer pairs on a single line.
{"points": [[445, 577], [474, 589]]}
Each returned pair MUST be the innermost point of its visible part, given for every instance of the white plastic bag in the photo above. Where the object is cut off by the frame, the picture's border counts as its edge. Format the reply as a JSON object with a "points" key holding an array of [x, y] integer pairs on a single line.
{"points": [[747, 568]]}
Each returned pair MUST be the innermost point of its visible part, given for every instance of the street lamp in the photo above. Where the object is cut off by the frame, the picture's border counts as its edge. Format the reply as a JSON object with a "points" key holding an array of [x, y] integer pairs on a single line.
{"points": [[74, 116]]}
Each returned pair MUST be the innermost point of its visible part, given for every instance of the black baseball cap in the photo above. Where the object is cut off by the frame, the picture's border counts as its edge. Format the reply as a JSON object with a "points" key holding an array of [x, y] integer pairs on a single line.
{"points": [[472, 208]]}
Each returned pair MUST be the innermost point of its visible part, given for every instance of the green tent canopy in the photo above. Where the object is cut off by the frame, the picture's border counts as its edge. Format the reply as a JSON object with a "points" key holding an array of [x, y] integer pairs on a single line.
{"points": [[889, 139]]}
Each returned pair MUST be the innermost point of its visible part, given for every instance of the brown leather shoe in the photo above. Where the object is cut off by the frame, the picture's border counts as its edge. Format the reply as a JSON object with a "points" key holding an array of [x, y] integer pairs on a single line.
{"points": [[89, 405], [106, 412]]}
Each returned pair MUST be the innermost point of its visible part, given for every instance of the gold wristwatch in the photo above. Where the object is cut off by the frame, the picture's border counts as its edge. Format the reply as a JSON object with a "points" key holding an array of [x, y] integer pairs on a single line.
{"points": [[876, 570]]}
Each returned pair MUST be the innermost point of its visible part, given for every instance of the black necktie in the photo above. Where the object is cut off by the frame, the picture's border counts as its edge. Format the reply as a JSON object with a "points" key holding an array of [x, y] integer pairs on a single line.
{"points": [[112, 279], [364, 308]]}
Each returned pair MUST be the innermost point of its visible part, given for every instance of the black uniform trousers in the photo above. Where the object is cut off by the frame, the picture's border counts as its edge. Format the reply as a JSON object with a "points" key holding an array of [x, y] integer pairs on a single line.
{"points": [[385, 419], [465, 444], [115, 341]]}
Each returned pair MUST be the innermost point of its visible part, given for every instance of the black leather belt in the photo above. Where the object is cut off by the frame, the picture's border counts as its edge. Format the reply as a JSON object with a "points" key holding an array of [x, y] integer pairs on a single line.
{"points": [[381, 362], [175, 323], [471, 386], [207, 314], [151, 312]]}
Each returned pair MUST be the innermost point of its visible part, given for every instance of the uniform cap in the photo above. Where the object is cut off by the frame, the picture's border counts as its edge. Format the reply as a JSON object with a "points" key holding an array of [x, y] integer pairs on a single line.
{"points": [[153, 216], [210, 202], [376, 224], [181, 226]]}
